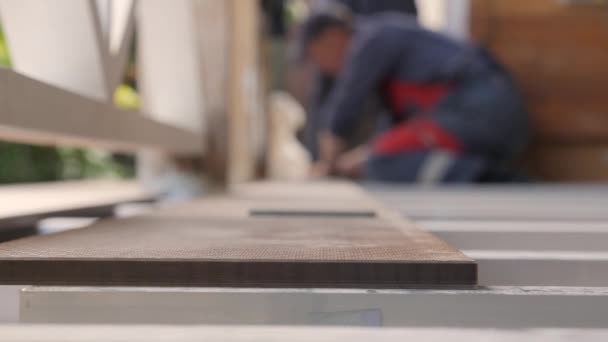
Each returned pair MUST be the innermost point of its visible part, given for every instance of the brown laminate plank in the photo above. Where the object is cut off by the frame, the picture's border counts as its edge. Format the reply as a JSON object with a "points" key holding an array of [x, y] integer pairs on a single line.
{"points": [[216, 242]]}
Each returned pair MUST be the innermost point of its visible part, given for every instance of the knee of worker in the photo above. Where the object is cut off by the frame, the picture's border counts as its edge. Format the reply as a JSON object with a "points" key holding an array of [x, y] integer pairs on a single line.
{"points": [[490, 121], [424, 167], [500, 136]]}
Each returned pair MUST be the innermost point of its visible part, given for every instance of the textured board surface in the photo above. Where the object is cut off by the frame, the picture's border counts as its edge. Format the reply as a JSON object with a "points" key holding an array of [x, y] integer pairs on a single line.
{"points": [[217, 242]]}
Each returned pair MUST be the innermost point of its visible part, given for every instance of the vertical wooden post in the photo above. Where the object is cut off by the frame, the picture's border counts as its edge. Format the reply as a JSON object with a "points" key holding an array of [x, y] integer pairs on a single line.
{"points": [[233, 88], [213, 32], [246, 91]]}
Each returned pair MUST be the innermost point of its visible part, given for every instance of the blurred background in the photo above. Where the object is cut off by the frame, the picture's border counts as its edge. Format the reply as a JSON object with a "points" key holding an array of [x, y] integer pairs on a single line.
{"points": [[554, 49], [115, 108]]}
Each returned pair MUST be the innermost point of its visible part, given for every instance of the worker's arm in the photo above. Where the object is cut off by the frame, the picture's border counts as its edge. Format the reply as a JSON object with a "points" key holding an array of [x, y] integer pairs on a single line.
{"points": [[371, 59], [352, 163]]}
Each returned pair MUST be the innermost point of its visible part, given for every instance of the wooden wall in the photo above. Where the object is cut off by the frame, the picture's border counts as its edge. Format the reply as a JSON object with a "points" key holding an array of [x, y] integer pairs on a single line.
{"points": [[558, 52]]}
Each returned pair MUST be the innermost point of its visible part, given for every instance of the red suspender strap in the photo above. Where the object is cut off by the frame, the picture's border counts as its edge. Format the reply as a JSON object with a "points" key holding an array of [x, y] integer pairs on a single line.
{"points": [[424, 96], [416, 135]]}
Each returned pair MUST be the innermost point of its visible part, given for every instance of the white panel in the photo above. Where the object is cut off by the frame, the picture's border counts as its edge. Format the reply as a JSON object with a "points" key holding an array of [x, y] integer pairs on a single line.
{"points": [[58, 42], [104, 8], [169, 62], [448, 16], [432, 14], [458, 17]]}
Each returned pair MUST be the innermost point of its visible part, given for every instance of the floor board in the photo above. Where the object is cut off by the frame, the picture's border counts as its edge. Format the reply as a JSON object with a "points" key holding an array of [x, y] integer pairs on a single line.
{"points": [[218, 242]]}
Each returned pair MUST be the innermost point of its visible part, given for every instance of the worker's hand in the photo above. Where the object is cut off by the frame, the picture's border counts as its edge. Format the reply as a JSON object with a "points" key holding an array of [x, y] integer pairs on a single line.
{"points": [[320, 169], [330, 147], [351, 164]]}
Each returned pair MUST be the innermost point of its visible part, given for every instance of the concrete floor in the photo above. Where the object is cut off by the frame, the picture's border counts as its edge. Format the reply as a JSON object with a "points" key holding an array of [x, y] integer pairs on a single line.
{"points": [[9, 304]]}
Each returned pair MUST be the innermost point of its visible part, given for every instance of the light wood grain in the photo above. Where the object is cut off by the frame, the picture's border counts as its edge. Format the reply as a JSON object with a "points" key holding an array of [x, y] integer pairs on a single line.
{"points": [[246, 106]]}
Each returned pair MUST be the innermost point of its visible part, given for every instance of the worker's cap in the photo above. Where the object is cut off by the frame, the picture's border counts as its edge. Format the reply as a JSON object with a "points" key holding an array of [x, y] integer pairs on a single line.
{"points": [[315, 25]]}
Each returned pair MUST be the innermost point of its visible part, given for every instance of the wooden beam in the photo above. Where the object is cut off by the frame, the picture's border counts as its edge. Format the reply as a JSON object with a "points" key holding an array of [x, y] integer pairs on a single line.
{"points": [[493, 308], [34, 112], [212, 26], [521, 235], [574, 203], [296, 334], [9, 297], [246, 101], [550, 268], [25, 205]]}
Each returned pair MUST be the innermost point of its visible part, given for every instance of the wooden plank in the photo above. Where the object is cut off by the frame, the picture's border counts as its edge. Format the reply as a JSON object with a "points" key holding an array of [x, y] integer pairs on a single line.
{"points": [[246, 105], [521, 235], [25, 205], [296, 334], [212, 26], [583, 30], [530, 202], [509, 8], [34, 112], [576, 162], [490, 308], [9, 311], [218, 243], [583, 120], [555, 53], [546, 268]]}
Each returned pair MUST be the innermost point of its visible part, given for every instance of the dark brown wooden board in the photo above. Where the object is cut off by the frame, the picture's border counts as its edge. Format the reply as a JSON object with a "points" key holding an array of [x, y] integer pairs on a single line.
{"points": [[189, 246]]}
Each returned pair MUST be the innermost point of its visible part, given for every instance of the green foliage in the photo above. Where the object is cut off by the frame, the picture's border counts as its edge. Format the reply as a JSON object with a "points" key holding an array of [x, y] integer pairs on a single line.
{"points": [[28, 164], [83, 164], [21, 163], [5, 59]]}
